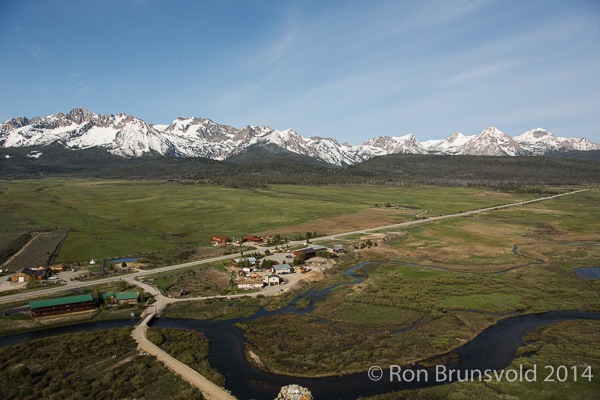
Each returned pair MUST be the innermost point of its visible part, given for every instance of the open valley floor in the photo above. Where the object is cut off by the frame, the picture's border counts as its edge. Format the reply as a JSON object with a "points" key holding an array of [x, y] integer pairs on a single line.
{"points": [[425, 272]]}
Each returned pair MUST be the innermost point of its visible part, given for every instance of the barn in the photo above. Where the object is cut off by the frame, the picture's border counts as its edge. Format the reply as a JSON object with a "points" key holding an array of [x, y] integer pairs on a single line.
{"points": [[61, 305]]}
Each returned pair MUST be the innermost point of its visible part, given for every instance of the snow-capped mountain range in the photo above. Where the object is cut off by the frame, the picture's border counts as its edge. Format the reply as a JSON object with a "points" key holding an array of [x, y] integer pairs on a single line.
{"points": [[128, 136]]}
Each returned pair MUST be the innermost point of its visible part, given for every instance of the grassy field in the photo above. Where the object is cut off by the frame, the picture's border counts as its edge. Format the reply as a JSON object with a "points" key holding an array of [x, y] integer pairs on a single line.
{"points": [[201, 280], [434, 286], [464, 276], [158, 216], [213, 309]]}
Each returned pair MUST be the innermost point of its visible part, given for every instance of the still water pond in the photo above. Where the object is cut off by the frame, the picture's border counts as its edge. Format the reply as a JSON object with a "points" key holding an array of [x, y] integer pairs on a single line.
{"points": [[588, 272]]}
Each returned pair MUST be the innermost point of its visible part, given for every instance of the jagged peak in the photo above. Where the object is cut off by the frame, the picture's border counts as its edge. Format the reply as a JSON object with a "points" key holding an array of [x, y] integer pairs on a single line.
{"points": [[399, 139], [79, 114], [17, 122], [182, 118], [492, 130], [195, 136], [457, 135]]}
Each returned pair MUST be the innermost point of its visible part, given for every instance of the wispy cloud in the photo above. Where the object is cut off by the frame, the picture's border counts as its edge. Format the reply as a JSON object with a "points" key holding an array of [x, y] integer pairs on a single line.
{"points": [[482, 71], [83, 89], [36, 52], [395, 18]]}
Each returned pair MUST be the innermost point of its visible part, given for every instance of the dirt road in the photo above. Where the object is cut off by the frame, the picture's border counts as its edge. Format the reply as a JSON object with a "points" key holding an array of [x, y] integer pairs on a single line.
{"points": [[208, 389]]}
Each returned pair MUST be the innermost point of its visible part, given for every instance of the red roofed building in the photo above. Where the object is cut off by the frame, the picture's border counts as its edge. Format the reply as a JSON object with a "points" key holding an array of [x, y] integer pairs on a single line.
{"points": [[255, 239], [219, 240]]}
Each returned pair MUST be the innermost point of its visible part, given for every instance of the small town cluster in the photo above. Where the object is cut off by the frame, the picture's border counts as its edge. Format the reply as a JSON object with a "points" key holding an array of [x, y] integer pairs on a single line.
{"points": [[252, 274], [266, 267]]}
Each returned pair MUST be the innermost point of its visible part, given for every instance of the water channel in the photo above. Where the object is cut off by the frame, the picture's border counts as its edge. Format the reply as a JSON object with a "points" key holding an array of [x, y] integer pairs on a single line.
{"points": [[492, 349]]}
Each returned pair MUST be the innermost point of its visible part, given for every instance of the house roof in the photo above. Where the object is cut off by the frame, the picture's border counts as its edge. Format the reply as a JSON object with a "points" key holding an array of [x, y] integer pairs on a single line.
{"points": [[60, 301], [318, 247], [281, 267], [127, 295], [219, 237], [307, 250], [249, 259], [28, 271]]}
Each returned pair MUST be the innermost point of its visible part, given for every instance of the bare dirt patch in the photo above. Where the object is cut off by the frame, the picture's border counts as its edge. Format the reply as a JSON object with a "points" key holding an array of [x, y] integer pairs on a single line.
{"points": [[206, 252], [370, 218], [6, 286], [489, 194]]}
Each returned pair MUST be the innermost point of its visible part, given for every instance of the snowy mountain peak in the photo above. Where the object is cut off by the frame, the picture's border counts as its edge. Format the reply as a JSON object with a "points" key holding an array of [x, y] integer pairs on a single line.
{"points": [[382, 145], [79, 115], [540, 141], [492, 131], [492, 142], [451, 145], [456, 137], [536, 133], [128, 136]]}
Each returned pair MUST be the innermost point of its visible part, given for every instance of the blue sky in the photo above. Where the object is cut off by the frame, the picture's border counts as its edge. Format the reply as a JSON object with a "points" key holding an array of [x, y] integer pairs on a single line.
{"points": [[344, 69]]}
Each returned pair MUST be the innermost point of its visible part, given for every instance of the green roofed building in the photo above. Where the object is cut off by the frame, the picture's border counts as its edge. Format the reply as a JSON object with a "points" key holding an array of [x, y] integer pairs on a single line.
{"points": [[121, 297], [61, 305], [127, 297]]}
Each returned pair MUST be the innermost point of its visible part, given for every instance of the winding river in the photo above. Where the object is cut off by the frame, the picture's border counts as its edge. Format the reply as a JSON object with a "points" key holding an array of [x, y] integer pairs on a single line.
{"points": [[492, 349]]}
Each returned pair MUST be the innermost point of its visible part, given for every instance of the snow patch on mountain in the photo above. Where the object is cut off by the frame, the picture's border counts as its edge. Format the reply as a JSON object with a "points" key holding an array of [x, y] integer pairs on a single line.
{"points": [[451, 145], [539, 141], [384, 145], [492, 142], [128, 136]]}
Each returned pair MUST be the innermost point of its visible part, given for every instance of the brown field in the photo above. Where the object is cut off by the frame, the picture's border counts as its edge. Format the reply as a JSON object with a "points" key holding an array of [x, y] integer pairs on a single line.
{"points": [[489, 194], [364, 219]]}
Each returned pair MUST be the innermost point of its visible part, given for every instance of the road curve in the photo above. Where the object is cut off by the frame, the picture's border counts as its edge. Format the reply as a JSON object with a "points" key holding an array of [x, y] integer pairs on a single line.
{"points": [[208, 389]]}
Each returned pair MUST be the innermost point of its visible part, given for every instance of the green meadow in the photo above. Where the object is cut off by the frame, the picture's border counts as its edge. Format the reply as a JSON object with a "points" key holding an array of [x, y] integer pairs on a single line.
{"points": [[432, 287], [120, 218], [436, 286]]}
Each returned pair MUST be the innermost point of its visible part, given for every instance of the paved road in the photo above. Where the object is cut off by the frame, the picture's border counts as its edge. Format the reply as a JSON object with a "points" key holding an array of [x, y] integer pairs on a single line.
{"points": [[424, 221], [26, 295], [78, 284]]}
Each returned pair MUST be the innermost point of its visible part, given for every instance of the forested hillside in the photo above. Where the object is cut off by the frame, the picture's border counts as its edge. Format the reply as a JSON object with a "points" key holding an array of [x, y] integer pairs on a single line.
{"points": [[261, 166]]}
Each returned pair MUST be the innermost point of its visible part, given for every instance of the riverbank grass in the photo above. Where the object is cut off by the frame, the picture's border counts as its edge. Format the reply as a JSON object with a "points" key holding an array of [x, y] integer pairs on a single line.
{"points": [[565, 356], [449, 289]]}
